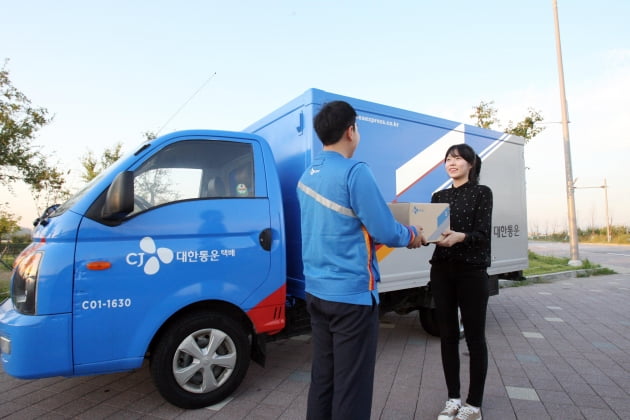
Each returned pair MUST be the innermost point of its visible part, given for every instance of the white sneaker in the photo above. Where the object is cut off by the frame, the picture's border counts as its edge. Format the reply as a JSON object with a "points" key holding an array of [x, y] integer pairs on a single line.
{"points": [[468, 413], [450, 410]]}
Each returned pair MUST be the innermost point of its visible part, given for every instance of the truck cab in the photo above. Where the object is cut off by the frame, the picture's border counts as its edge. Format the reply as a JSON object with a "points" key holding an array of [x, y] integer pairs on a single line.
{"points": [[175, 252]]}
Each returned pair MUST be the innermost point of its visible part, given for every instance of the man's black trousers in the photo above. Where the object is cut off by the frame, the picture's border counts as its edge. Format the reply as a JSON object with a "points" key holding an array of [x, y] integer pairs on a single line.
{"points": [[344, 338]]}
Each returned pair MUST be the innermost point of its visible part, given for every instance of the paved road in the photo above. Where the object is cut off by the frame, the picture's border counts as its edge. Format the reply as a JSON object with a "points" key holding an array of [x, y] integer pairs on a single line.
{"points": [[558, 350], [615, 257]]}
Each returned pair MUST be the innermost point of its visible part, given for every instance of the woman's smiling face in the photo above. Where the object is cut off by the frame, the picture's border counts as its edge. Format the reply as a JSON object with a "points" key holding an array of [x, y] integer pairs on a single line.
{"points": [[457, 167]]}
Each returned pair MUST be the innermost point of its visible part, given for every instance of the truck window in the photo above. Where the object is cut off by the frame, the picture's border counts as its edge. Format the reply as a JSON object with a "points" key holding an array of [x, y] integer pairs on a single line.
{"points": [[159, 186], [194, 169], [241, 179]]}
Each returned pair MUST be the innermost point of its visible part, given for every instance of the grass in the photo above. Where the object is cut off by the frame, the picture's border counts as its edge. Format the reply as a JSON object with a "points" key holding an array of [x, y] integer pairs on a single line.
{"points": [[5, 277], [618, 235], [5, 274], [541, 264]]}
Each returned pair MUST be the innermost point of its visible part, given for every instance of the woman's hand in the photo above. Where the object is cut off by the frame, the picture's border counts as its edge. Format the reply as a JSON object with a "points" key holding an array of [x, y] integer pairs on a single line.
{"points": [[450, 238]]}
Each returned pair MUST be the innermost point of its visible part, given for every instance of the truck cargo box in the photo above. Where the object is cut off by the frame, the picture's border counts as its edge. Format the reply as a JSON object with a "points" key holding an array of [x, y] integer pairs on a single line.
{"points": [[405, 150]]}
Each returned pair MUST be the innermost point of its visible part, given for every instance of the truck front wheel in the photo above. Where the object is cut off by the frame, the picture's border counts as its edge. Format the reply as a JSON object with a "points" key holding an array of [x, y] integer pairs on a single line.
{"points": [[200, 360]]}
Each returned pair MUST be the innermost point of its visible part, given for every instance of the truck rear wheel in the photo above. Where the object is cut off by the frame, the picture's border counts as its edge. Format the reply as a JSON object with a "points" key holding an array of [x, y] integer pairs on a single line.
{"points": [[200, 360], [428, 320]]}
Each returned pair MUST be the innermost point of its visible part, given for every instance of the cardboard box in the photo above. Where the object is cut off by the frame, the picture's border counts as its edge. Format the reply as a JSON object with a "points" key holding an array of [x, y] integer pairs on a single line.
{"points": [[434, 218]]}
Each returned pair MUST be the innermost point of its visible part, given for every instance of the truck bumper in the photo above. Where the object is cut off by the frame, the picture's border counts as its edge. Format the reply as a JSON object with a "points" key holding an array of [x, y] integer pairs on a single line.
{"points": [[35, 346]]}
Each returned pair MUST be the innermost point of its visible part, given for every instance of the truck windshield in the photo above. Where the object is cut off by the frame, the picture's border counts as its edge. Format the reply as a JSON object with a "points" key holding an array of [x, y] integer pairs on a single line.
{"points": [[89, 185], [77, 196]]}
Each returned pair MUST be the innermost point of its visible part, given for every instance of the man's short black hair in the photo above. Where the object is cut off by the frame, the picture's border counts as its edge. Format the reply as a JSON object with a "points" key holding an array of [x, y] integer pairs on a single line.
{"points": [[332, 120]]}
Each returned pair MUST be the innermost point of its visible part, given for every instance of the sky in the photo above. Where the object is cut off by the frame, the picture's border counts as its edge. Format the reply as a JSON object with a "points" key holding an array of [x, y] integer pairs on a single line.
{"points": [[111, 71]]}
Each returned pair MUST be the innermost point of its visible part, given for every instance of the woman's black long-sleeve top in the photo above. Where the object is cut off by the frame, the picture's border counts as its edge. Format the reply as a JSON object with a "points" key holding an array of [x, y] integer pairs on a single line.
{"points": [[471, 214]]}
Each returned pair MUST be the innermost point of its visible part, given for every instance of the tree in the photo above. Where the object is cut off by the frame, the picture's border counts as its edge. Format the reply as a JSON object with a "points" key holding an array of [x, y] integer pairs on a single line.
{"points": [[8, 223], [20, 160], [49, 188], [149, 135], [19, 122], [93, 167], [154, 185], [485, 116], [527, 128]]}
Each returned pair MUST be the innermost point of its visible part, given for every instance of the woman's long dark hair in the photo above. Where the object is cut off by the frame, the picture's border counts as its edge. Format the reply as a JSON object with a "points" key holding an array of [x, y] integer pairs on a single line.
{"points": [[469, 155]]}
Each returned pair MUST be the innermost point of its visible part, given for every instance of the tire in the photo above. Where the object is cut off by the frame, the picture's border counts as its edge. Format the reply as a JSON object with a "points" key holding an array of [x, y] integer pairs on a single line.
{"points": [[428, 320], [200, 360]]}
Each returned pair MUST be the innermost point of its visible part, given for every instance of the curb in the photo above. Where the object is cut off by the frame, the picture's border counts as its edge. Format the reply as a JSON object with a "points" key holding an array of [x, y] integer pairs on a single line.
{"points": [[545, 278]]}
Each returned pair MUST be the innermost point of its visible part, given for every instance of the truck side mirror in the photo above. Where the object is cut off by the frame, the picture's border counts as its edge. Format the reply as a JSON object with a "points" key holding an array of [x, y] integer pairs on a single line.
{"points": [[119, 199]]}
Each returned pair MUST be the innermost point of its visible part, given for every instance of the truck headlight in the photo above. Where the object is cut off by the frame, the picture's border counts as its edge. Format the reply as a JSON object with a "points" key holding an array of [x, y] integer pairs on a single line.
{"points": [[24, 284]]}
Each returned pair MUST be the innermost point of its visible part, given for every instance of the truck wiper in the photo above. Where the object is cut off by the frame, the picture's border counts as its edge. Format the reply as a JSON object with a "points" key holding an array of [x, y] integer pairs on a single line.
{"points": [[43, 219]]}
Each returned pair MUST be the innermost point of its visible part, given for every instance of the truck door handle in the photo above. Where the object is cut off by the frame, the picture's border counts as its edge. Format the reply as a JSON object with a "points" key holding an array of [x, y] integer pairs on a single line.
{"points": [[265, 239]]}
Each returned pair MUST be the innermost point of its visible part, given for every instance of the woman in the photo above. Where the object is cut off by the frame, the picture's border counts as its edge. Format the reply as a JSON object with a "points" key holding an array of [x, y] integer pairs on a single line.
{"points": [[459, 279]]}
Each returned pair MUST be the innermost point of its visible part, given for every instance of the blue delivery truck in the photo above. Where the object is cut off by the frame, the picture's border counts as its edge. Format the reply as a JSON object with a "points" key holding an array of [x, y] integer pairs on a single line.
{"points": [[186, 251]]}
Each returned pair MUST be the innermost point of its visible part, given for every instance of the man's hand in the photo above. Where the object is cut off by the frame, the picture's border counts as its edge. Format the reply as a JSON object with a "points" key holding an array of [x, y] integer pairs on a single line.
{"points": [[419, 240], [450, 238]]}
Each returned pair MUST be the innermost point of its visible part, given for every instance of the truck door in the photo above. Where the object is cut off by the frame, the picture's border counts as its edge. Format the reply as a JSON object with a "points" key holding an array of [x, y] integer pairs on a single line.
{"points": [[200, 208]]}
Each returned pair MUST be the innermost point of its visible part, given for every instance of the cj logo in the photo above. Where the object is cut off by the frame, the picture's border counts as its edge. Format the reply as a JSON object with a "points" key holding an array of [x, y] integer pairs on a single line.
{"points": [[152, 265]]}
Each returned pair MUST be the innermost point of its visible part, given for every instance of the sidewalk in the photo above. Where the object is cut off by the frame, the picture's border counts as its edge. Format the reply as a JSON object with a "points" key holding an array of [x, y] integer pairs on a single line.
{"points": [[557, 350]]}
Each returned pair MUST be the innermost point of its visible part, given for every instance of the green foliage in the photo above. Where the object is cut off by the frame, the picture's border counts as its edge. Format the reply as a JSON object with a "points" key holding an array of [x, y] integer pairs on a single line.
{"points": [[90, 166], [8, 253], [619, 235], [526, 128], [94, 166], [8, 223], [21, 238], [594, 269], [19, 122], [4, 283], [544, 264], [149, 135], [485, 116], [49, 188], [20, 159]]}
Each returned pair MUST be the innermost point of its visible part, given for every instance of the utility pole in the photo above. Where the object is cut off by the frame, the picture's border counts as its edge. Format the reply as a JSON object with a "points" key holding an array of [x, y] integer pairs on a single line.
{"points": [[605, 187], [573, 234]]}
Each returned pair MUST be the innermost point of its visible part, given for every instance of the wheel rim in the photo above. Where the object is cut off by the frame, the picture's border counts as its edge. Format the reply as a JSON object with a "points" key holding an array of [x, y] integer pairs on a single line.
{"points": [[204, 360]]}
